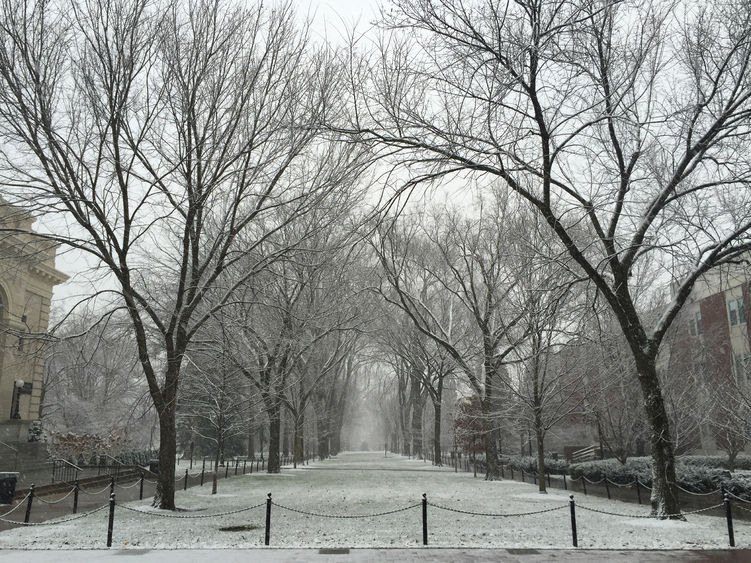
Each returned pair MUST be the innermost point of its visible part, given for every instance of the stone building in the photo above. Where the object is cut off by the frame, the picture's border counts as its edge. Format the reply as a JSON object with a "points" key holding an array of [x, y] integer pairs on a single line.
{"points": [[27, 277]]}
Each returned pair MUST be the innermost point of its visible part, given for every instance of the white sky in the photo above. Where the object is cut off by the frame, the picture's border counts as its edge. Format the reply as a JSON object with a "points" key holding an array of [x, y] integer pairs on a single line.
{"points": [[331, 15]]}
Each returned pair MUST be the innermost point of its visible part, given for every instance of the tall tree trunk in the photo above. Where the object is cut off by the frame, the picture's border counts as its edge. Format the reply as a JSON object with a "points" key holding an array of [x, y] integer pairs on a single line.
{"points": [[437, 433], [275, 427], [217, 457], [664, 499], [299, 433], [165, 487], [540, 436], [492, 472], [417, 428]]}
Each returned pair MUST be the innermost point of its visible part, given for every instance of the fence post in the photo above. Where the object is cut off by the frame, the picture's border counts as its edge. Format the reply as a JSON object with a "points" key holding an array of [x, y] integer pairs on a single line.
{"points": [[111, 520], [203, 467], [185, 481], [549, 485], [512, 472], [245, 465], [638, 491], [268, 520], [226, 469], [28, 505], [584, 485], [140, 489], [565, 485], [424, 519], [237, 462], [573, 520], [729, 517], [202, 473], [607, 488], [76, 488], [522, 475]]}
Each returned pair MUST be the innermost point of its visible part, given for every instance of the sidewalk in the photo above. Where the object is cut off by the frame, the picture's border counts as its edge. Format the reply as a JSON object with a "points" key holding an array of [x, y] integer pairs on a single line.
{"points": [[373, 555]]}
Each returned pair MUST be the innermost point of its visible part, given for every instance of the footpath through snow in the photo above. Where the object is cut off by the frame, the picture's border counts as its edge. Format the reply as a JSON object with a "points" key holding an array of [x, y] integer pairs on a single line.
{"points": [[364, 499]]}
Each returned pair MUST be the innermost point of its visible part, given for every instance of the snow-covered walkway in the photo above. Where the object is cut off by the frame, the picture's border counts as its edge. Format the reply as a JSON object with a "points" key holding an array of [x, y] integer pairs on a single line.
{"points": [[359, 484]]}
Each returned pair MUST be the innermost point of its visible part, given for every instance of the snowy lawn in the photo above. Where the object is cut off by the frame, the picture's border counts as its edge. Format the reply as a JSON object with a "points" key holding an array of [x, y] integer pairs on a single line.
{"points": [[368, 483]]}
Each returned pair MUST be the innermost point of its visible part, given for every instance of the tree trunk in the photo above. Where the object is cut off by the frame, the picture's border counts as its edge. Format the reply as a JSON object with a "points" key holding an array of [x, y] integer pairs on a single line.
{"points": [[275, 426], [492, 473], [664, 499], [540, 435], [437, 433], [416, 425], [164, 497], [217, 457], [299, 429]]}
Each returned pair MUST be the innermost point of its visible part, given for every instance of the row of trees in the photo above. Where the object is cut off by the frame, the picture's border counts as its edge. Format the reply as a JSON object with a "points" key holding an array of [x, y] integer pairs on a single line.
{"points": [[195, 152]]}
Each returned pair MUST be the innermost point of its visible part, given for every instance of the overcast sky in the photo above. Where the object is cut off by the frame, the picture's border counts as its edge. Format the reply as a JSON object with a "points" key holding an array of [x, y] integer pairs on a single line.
{"points": [[330, 15]]}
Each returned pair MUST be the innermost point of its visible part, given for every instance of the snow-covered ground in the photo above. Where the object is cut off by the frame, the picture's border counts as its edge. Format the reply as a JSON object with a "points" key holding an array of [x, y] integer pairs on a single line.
{"points": [[367, 483]]}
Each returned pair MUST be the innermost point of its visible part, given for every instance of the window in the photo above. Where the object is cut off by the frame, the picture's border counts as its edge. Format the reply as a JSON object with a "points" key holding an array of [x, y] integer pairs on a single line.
{"points": [[737, 312], [699, 327]]}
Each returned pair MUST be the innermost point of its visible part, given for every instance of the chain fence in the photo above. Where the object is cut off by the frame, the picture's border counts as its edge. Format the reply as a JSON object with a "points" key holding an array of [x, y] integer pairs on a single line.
{"points": [[346, 516]]}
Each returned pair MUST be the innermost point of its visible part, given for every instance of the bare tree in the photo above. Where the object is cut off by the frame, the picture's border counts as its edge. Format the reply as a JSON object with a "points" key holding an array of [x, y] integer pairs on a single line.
{"points": [[158, 132], [469, 260], [625, 124]]}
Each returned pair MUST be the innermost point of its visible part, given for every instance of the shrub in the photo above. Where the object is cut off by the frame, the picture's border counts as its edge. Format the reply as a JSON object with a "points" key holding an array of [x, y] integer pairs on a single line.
{"points": [[529, 464]]}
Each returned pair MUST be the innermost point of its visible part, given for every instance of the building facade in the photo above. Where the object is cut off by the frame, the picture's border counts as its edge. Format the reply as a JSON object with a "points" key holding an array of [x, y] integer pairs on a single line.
{"points": [[27, 277]]}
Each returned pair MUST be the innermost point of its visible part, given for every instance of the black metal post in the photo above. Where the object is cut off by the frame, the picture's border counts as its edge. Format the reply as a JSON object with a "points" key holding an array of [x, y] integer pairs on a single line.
{"points": [[638, 491], [202, 472], [112, 486], [185, 481], [203, 467], [565, 485], [573, 520], [226, 469], [111, 520], [237, 462], [522, 475], [268, 520], [245, 465], [729, 517], [424, 519], [28, 505], [76, 488], [584, 485], [607, 488], [549, 485], [512, 472], [140, 489]]}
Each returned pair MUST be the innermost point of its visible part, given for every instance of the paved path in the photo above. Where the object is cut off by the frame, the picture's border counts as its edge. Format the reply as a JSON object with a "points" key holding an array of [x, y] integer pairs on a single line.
{"points": [[374, 555]]}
